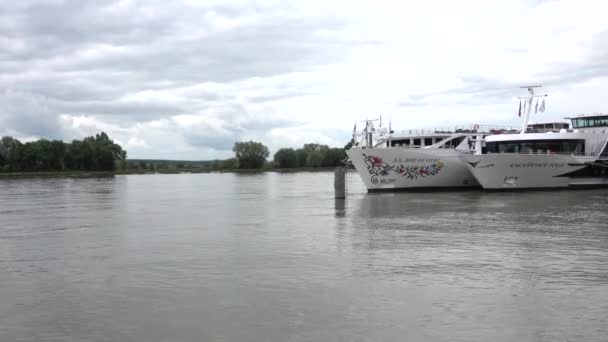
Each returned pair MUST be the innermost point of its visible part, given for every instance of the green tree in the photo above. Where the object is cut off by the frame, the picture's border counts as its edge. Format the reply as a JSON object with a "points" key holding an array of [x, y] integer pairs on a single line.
{"points": [[315, 147], [81, 155], [56, 151], [301, 157], [312, 155], [286, 158], [11, 150], [92, 153], [250, 155], [334, 157], [228, 164], [314, 159], [105, 152]]}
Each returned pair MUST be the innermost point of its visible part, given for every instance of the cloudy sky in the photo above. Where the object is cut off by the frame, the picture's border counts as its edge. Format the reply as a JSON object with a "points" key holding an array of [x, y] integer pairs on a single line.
{"points": [[186, 79]]}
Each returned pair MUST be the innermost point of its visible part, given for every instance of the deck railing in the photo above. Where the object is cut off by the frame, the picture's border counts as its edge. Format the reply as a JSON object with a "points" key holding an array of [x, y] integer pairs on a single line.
{"points": [[487, 129]]}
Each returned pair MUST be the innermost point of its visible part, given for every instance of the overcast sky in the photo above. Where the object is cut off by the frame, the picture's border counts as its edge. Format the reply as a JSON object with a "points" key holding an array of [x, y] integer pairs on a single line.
{"points": [[185, 80]]}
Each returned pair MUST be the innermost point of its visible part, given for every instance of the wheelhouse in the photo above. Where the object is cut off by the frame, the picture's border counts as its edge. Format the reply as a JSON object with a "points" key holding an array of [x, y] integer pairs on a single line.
{"points": [[589, 121], [547, 127], [418, 141]]}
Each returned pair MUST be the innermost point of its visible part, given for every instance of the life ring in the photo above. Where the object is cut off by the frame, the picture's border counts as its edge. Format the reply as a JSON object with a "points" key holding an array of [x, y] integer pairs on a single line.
{"points": [[476, 127]]}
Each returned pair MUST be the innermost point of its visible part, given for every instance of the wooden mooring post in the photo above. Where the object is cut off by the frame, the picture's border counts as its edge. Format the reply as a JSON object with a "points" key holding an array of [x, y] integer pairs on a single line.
{"points": [[340, 182]]}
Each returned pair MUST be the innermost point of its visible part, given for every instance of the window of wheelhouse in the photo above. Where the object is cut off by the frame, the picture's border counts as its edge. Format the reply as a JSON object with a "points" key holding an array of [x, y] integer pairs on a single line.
{"points": [[597, 121], [428, 141], [567, 146], [547, 127], [416, 142], [400, 143]]}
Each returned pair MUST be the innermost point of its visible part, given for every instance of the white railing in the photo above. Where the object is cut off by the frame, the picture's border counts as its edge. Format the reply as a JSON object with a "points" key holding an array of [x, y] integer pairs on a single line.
{"points": [[457, 129]]}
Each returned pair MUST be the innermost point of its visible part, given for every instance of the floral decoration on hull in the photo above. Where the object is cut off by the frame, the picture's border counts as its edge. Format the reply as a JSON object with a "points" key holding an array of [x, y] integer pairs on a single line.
{"points": [[377, 167]]}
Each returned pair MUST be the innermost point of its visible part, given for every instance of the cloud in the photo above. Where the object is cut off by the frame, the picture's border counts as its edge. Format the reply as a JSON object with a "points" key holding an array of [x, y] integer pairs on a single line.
{"points": [[23, 112], [187, 79]]}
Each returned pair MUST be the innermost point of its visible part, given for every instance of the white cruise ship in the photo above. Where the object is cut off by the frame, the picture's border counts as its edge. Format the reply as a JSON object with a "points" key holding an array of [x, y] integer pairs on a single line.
{"points": [[566, 157], [414, 159]]}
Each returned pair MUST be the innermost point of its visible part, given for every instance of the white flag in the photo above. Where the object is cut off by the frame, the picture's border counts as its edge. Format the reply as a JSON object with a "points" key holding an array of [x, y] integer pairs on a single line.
{"points": [[542, 107]]}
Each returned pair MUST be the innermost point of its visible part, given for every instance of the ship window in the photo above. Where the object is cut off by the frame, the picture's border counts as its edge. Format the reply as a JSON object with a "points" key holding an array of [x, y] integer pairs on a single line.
{"points": [[600, 121], [547, 127], [428, 141], [417, 142], [529, 146], [400, 142]]}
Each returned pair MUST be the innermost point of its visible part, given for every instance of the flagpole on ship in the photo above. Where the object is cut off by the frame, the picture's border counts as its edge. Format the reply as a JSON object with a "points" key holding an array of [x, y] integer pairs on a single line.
{"points": [[528, 105]]}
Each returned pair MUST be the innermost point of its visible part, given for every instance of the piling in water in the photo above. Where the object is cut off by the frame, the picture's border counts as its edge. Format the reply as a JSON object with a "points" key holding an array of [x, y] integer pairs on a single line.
{"points": [[339, 182]]}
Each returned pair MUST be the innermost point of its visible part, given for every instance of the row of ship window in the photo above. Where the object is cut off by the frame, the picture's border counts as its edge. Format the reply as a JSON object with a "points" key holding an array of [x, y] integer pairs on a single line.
{"points": [[569, 146], [417, 142], [601, 121], [576, 146]]}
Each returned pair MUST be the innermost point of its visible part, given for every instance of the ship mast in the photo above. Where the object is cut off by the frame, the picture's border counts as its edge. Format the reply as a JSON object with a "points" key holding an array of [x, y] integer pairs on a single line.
{"points": [[529, 100], [369, 132]]}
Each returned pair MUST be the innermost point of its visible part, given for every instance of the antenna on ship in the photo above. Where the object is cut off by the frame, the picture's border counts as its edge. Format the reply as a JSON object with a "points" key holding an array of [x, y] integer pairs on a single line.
{"points": [[528, 107]]}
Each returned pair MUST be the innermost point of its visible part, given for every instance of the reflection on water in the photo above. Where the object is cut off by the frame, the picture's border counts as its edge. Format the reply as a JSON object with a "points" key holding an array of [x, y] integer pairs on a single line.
{"points": [[340, 207], [274, 257]]}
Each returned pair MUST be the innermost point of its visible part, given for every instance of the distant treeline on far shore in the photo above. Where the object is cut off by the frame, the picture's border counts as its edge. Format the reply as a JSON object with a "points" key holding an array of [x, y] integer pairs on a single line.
{"points": [[100, 153], [94, 153], [252, 155]]}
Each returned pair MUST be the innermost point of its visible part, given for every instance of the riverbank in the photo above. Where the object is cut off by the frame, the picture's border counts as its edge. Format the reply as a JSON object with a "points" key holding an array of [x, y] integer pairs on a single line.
{"points": [[57, 174], [101, 174]]}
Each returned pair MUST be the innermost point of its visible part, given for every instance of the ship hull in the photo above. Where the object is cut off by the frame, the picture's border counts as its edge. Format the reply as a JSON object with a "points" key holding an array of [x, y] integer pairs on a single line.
{"points": [[393, 169], [506, 171]]}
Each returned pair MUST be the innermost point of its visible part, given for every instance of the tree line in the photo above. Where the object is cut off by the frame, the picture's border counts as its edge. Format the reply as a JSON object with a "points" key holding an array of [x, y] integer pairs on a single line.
{"points": [[253, 155], [94, 153], [100, 153], [152, 165], [310, 155]]}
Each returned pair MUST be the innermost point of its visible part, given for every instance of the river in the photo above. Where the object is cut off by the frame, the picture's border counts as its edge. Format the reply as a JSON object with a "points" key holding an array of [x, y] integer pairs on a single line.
{"points": [[273, 257]]}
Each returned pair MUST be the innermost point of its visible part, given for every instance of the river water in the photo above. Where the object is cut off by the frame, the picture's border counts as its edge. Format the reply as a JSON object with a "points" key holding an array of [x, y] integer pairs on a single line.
{"points": [[273, 257]]}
